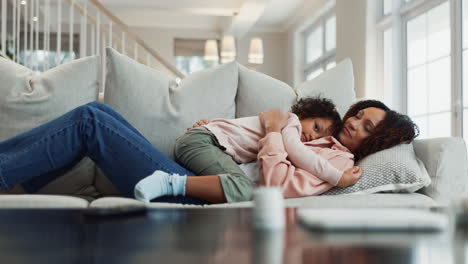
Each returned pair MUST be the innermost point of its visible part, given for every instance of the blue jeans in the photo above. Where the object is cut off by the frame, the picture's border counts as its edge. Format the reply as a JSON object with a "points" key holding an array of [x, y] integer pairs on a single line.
{"points": [[38, 156]]}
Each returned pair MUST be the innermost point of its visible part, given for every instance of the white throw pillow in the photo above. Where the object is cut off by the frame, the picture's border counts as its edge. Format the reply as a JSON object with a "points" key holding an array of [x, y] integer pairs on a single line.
{"points": [[28, 100], [159, 108], [396, 169], [258, 92], [336, 84]]}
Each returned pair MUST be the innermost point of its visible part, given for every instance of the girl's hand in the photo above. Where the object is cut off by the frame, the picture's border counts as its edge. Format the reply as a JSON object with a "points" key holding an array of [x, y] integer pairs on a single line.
{"points": [[350, 176], [273, 120], [201, 122]]}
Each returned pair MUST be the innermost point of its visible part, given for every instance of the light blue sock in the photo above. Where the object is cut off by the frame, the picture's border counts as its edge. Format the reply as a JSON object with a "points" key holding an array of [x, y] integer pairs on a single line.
{"points": [[158, 184]]}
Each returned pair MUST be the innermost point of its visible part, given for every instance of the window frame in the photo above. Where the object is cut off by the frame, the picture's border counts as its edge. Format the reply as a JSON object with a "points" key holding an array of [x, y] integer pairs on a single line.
{"points": [[326, 57], [405, 12]]}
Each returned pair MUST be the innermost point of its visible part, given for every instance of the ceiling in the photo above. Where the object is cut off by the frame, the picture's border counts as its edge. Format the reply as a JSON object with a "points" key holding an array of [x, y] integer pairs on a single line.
{"points": [[236, 17]]}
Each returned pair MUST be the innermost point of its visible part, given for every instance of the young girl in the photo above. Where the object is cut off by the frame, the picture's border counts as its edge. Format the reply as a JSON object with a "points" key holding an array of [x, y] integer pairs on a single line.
{"points": [[312, 118]]}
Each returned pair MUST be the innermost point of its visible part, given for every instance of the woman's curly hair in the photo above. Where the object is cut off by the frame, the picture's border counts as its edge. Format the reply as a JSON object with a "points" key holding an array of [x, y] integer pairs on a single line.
{"points": [[317, 107], [394, 129]]}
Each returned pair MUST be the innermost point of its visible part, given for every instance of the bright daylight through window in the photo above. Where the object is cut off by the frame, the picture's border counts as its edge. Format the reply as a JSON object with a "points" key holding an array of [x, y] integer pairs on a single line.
{"points": [[320, 46]]}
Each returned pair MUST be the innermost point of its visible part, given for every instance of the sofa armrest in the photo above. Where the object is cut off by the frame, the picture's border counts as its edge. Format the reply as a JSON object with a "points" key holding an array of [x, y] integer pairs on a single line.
{"points": [[447, 164]]}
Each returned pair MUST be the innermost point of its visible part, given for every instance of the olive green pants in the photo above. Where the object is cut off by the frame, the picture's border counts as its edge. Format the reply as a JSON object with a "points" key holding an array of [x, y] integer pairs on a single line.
{"points": [[199, 151]]}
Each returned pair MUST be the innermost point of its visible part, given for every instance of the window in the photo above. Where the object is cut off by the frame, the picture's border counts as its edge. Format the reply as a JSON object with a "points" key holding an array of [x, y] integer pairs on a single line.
{"points": [[387, 7], [417, 60], [189, 55], [320, 46], [465, 67], [429, 71]]}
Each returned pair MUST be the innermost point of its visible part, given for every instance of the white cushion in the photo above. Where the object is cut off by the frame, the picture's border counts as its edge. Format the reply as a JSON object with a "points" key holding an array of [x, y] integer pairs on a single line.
{"points": [[396, 169], [159, 108], [258, 92], [28, 100], [336, 84]]}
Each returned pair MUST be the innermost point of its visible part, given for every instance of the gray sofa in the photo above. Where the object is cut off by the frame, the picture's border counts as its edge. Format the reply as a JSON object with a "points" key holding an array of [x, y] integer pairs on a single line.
{"points": [[236, 92]]}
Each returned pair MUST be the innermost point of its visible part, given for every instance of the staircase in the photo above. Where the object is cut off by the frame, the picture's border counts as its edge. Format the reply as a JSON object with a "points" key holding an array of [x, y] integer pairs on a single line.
{"points": [[42, 34]]}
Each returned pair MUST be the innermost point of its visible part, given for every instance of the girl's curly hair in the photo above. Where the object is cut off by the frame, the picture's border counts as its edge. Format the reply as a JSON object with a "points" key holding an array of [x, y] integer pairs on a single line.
{"points": [[394, 129], [317, 107]]}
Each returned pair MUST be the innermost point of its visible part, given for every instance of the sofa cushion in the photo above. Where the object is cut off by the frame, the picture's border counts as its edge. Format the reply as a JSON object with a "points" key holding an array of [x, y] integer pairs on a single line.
{"points": [[159, 108], [396, 169], [336, 84], [258, 92], [28, 100], [36, 201], [447, 164]]}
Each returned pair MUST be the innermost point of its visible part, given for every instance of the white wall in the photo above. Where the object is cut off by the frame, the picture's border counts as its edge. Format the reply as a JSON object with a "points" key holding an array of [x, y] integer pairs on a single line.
{"points": [[274, 46], [351, 39], [351, 42]]}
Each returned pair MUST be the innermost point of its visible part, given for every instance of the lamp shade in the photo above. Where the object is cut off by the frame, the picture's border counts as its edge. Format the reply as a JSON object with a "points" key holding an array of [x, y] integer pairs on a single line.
{"points": [[228, 49], [256, 51], [211, 50]]}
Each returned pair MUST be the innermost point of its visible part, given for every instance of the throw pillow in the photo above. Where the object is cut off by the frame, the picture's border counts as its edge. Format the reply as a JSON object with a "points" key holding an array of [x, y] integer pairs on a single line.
{"points": [[336, 84], [28, 100], [159, 108], [259, 92], [396, 169]]}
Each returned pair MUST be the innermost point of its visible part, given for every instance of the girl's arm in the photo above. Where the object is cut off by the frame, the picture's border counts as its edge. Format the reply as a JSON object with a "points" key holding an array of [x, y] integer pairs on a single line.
{"points": [[305, 158], [277, 170]]}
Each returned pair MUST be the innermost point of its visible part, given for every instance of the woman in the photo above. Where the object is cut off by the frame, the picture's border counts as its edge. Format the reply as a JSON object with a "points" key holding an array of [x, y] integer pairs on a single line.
{"points": [[38, 156]]}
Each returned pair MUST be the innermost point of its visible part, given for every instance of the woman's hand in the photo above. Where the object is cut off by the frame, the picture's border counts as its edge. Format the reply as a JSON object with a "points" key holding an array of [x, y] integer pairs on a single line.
{"points": [[350, 176], [273, 120], [201, 122]]}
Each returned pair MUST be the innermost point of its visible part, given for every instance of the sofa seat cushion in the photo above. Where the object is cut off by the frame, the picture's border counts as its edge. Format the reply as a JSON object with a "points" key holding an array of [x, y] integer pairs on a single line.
{"points": [[37, 201]]}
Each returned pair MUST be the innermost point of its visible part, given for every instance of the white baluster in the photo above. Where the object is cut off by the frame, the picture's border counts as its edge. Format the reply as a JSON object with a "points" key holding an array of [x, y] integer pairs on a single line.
{"points": [[14, 30], [31, 32], [135, 51], [110, 33], [37, 28], [25, 52], [18, 15], [93, 42], [98, 33], [59, 33], [47, 35], [84, 29], [103, 67], [71, 25], [4, 21], [123, 43]]}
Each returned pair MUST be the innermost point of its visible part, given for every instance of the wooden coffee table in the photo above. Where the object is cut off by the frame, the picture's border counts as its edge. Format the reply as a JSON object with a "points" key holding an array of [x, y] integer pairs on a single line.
{"points": [[206, 236]]}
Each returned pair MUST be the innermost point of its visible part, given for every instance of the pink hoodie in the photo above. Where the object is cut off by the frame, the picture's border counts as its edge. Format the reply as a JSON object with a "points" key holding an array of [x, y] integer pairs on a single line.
{"points": [[241, 139]]}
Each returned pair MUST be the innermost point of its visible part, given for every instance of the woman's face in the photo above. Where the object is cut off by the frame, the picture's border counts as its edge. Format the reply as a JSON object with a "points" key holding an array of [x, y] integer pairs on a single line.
{"points": [[359, 127]]}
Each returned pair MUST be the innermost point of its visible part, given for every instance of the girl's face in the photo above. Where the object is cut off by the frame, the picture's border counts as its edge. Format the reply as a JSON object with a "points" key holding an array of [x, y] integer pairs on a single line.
{"points": [[315, 128], [359, 127]]}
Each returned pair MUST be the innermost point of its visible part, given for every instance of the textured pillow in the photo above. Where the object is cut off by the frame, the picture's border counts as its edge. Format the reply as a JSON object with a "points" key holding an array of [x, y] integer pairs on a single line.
{"points": [[396, 169], [159, 108], [258, 92], [28, 100], [336, 84]]}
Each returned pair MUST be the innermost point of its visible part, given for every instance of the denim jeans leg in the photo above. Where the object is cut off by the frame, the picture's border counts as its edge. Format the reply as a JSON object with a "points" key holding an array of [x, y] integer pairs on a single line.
{"points": [[111, 112], [122, 155]]}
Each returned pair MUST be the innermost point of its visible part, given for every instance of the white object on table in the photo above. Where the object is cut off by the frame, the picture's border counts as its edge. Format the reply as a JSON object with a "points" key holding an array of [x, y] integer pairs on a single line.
{"points": [[373, 219]]}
